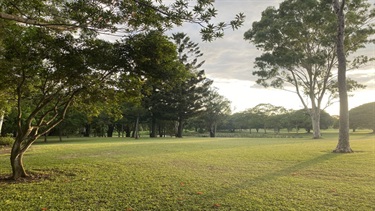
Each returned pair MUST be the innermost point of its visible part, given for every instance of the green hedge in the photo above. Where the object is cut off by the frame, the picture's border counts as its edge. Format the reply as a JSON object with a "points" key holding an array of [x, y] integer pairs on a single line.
{"points": [[6, 141]]}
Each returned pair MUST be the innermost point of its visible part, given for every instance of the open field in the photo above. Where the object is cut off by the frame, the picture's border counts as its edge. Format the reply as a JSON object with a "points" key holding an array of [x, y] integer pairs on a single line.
{"points": [[195, 174]]}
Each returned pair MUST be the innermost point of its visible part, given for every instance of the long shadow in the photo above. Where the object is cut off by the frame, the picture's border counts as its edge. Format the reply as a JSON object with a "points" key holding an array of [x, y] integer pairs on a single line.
{"points": [[296, 168], [276, 174]]}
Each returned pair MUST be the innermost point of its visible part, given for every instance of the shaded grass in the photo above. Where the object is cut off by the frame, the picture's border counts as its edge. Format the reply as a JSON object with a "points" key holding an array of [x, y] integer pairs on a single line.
{"points": [[195, 174]]}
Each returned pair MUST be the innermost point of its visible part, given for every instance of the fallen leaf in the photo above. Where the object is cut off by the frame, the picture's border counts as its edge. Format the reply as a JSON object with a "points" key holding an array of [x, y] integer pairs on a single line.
{"points": [[216, 205]]}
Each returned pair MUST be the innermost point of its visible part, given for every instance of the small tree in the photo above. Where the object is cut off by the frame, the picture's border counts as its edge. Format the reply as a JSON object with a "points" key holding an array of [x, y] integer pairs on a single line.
{"points": [[216, 108]]}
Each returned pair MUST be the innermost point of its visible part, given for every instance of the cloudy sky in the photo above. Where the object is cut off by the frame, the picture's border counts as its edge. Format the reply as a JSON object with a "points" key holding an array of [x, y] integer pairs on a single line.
{"points": [[229, 62]]}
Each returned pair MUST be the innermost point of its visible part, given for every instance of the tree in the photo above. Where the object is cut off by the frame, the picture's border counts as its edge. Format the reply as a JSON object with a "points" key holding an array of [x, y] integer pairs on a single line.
{"points": [[155, 61], [298, 41], [46, 72], [216, 108], [363, 116], [185, 99], [343, 143], [268, 115]]}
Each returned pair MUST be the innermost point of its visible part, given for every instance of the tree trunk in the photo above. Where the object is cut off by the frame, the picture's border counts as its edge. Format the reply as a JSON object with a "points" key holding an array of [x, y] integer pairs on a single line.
{"points": [[315, 119], [153, 128], [87, 130], [110, 130], [343, 145], [60, 134], [136, 129], [2, 113], [16, 156], [127, 131], [180, 128], [213, 130]]}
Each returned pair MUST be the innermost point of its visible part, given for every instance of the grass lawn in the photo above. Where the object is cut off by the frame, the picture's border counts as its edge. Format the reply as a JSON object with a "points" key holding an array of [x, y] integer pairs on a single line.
{"points": [[195, 174]]}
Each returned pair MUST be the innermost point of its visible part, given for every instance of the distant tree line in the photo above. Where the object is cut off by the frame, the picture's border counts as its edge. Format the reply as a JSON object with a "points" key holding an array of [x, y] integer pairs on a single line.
{"points": [[267, 117], [214, 115]]}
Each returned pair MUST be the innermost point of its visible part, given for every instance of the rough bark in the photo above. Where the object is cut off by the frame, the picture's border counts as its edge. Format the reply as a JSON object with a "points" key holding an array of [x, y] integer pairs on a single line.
{"points": [[343, 145]]}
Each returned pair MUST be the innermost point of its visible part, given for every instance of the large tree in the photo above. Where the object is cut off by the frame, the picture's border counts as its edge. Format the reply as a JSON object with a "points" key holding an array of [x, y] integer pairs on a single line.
{"points": [[46, 72], [299, 44], [155, 62], [185, 99]]}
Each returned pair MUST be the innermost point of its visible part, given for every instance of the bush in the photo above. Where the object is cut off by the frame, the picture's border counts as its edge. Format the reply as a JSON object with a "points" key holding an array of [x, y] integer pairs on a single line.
{"points": [[6, 141]]}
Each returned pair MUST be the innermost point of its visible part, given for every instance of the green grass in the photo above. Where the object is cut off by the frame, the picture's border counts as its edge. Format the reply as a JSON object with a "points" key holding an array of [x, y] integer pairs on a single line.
{"points": [[195, 174]]}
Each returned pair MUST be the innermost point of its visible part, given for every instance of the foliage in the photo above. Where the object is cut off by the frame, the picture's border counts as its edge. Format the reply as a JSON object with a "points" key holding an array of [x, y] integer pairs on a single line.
{"points": [[184, 101], [6, 141], [194, 174], [217, 108], [363, 116], [102, 16]]}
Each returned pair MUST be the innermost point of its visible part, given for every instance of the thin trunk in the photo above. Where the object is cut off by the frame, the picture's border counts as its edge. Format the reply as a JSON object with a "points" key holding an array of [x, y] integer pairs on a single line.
{"points": [[136, 130], [87, 130], [343, 145], [153, 128], [110, 130], [2, 113], [60, 134], [127, 131]]}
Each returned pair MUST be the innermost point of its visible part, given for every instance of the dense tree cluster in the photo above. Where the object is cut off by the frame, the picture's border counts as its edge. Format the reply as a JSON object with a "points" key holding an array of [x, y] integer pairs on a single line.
{"points": [[269, 117]]}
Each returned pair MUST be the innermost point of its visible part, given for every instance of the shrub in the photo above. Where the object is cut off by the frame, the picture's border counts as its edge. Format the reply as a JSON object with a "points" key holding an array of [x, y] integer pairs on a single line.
{"points": [[6, 141]]}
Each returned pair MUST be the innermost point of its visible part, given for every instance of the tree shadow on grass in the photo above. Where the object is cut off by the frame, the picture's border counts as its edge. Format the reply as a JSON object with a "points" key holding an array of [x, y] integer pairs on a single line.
{"points": [[288, 171]]}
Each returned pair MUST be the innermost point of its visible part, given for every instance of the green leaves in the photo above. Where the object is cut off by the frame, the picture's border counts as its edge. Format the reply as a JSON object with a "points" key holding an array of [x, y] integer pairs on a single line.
{"points": [[88, 18]]}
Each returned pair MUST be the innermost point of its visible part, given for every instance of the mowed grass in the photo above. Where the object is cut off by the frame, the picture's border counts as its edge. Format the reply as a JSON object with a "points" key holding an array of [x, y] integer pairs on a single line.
{"points": [[195, 174]]}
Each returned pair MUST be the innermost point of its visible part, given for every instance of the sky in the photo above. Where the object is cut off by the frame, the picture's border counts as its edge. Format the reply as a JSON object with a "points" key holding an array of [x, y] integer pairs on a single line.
{"points": [[229, 62]]}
